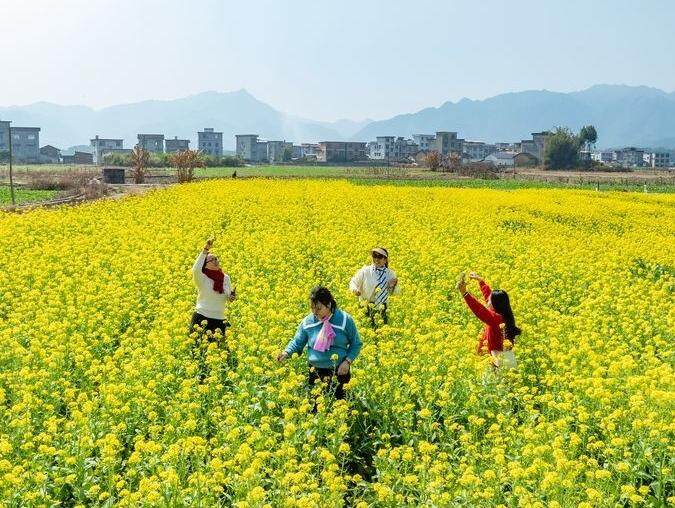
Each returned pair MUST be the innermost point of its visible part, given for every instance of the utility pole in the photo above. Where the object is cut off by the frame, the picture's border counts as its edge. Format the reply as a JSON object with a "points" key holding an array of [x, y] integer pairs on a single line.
{"points": [[11, 173]]}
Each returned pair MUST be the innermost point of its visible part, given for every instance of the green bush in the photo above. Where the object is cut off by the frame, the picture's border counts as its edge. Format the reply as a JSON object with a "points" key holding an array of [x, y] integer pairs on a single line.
{"points": [[562, 150], [223, 161]]}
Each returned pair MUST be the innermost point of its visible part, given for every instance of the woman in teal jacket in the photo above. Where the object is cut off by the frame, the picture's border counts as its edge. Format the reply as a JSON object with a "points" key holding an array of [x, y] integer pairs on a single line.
{"points": [[332, 341]]}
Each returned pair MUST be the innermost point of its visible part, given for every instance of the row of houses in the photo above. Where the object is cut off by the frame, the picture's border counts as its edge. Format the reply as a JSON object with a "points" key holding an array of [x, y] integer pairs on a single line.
{"points": [[26, 149], [251, 148], [526, 152], [25, 143], [632, 157], [210, 142]]}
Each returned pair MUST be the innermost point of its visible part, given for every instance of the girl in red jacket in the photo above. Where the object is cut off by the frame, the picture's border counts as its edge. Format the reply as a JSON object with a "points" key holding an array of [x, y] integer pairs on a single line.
{"points": [[497, 316]]}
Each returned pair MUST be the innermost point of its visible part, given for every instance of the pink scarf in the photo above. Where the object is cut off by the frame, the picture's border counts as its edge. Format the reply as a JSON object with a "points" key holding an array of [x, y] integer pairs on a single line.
{"points": [[325, 338]]}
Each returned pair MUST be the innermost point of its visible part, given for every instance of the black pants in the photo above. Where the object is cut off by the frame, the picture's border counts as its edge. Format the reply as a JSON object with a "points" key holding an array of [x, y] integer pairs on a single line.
{"points": [[334, 382], [200, 345], [211, 324], [371, 312]]}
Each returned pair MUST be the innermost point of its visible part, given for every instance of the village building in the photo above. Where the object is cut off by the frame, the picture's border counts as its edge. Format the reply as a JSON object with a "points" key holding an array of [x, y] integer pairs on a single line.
{"points": [[4, 135], [392, 148], [50, 155], [250, 148], [629, 157], [78, 158], [102, 145], [176, 145], [604, 157], [341, 151], [153, 143], [507, 147], [502, 159], [25, 144], [537, 145], [524, 160], [656, 159], [447, 143], [210, 142], [276, 150], [423, 141], [478, 150], [309, 150]]}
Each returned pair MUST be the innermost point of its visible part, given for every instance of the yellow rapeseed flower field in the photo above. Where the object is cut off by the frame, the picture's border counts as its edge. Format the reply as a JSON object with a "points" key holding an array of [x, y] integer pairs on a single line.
{"points": [[102, 405]]}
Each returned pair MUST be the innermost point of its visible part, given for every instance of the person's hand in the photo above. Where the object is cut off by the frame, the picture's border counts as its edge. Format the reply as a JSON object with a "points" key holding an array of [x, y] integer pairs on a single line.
{"points": [[209, 244], [476, 277], [282, 356], [392, 283], [461, 284], [343, 368]]}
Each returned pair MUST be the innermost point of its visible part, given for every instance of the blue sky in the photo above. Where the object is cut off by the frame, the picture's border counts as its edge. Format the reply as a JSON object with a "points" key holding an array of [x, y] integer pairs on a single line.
{"points": [[328, 60]]}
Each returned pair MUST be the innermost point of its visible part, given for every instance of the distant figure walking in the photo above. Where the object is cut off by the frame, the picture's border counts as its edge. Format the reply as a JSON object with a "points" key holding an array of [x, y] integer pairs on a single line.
{"points": [[332, 341], [213, 293], [374, 283], [498, 318]]}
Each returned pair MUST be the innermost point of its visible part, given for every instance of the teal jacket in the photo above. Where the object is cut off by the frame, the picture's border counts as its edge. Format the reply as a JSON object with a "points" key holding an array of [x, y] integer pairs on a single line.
{"points": [[346, 344]]}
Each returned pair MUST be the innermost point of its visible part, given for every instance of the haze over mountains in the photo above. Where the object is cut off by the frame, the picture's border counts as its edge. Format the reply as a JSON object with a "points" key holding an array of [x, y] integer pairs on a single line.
{"points": [[623, 115]]}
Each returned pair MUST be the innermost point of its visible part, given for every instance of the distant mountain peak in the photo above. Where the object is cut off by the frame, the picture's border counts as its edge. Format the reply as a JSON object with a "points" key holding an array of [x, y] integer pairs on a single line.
{"points": [[622, 114]]}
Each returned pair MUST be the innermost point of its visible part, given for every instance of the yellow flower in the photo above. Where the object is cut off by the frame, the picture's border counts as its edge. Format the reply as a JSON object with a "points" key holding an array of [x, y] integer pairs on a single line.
{"points": [[99, 372]]}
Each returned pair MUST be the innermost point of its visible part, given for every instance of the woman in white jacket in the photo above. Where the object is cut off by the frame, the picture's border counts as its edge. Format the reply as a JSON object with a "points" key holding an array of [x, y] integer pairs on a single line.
{"points": [[213, 292], [374, 283]]}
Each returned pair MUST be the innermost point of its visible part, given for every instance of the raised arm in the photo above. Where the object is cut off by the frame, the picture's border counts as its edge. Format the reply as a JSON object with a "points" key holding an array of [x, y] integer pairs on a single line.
{"points": [[485, 289], [480, 311], [199, 263], [297, 343]]}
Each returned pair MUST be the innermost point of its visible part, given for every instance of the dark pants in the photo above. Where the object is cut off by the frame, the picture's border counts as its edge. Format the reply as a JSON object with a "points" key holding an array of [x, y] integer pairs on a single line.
{"points": [[211, 324], [200, 345], [371, 312], [329, 377]]}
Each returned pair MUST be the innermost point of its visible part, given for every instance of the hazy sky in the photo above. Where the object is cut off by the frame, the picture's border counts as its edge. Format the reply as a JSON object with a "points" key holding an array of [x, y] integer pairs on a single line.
{"points": [[328, 60]]}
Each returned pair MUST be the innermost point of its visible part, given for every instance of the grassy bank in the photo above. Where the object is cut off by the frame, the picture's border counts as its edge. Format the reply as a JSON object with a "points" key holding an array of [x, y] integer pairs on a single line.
{"points": [[24, 195], [523, 179]]}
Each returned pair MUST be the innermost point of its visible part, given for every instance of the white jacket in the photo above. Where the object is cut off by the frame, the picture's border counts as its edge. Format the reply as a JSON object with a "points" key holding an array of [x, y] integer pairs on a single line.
{"points": [[365, 281], [210, 303]]}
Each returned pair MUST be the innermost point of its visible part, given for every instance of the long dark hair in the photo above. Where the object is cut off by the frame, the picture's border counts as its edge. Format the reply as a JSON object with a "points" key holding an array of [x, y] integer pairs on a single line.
{"points": [[501, 304], [321, 294]]}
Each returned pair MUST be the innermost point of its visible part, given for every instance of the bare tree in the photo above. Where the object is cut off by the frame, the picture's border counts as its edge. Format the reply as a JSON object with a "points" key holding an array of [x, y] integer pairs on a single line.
{"points": [[140, 158], [185, 163], [433, 160]]}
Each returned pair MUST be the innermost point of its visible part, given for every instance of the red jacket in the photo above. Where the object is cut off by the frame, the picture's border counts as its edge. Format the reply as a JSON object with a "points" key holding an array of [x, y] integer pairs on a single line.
{"points": [[493, 337]]}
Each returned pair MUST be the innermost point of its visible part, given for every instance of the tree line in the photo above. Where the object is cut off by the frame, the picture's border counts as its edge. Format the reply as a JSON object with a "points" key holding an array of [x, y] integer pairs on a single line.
{"points": [[163, 160], [563, 147]]}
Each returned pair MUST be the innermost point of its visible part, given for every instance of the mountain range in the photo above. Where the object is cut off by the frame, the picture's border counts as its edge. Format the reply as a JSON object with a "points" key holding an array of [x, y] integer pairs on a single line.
{"points": [[623, 115]]}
